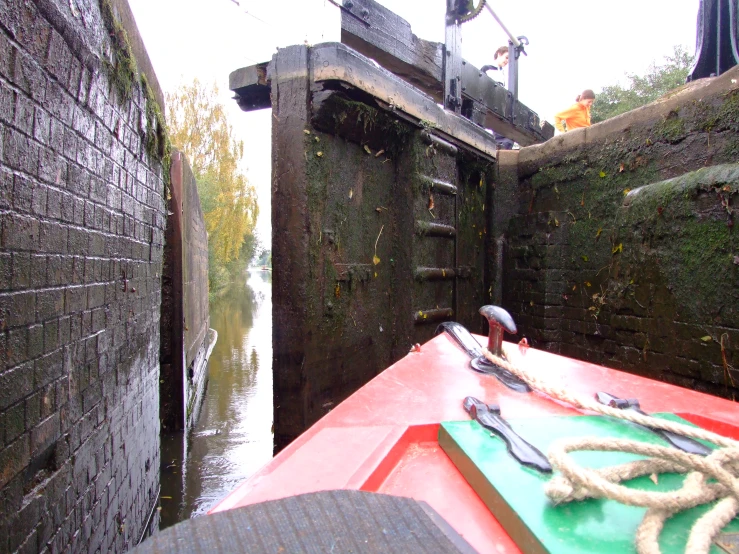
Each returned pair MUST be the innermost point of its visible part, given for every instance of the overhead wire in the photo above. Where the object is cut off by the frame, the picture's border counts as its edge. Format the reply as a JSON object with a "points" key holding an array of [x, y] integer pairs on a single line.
{"points": [[247, 12], [268, 24]]}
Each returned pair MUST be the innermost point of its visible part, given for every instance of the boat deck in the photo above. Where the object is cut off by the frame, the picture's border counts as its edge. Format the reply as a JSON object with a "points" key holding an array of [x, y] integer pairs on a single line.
{"points": [[383, 438]]}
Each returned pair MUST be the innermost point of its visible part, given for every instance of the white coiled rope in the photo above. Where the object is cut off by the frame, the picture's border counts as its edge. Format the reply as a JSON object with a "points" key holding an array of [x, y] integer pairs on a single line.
{"points": [[577, 483]]}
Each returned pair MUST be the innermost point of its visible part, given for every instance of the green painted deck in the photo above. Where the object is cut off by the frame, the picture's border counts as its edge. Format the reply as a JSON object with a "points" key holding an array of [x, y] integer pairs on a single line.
{"points": [[516, 498]]}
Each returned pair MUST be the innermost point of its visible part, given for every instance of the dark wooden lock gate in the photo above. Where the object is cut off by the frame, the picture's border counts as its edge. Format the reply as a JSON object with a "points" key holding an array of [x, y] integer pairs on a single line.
{"points": [[381, 214]]}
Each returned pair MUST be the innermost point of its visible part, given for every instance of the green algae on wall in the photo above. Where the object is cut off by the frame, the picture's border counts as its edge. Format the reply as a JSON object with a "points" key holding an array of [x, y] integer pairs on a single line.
{"points": [[671, 129], [636, 156], [158, 145], [349, 174], [476, 175], [638, 267], [121, 67], [123, 74], [686, 225], [728, 113], [364, 125]]}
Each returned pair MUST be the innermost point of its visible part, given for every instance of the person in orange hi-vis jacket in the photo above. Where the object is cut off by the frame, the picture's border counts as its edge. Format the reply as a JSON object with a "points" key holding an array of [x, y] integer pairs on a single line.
{"points": [[577, 115]]}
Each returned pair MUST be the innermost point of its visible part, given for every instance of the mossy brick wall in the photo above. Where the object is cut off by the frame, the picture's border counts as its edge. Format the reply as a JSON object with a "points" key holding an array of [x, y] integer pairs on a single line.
{"points": [[82, 210], [623, 250]]}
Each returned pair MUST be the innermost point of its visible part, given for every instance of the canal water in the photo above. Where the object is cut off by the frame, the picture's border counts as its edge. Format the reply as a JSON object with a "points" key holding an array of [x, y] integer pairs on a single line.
{"points": [[233, 437]]}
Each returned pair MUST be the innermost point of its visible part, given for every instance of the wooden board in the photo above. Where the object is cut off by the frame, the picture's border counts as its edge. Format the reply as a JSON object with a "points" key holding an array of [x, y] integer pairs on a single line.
{"points": [[516, 498], [378, 33]]}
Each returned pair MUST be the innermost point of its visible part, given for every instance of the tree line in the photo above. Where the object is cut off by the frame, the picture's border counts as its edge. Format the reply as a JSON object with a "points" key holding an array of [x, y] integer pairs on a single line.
{"points": [[639, 90], [199, 129]]}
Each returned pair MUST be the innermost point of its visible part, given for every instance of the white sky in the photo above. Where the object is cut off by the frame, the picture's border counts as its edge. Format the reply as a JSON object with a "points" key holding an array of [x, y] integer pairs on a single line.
{"points": [[575, 44]]}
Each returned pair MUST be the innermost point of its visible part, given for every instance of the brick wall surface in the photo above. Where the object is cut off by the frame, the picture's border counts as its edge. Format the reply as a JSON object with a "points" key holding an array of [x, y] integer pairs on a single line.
{"points": [[82, 219], [624, 250]]}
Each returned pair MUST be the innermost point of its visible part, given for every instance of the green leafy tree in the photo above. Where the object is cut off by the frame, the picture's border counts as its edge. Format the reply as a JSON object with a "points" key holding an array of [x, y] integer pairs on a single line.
{"points": [[198, 128], [614, 100], [265, 258]]}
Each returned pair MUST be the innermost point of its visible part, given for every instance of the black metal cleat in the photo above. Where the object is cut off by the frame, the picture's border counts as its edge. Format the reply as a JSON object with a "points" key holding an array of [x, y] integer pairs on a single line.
{"points": [[489, 417], [479, 362], [499, 321], [686, 444]]}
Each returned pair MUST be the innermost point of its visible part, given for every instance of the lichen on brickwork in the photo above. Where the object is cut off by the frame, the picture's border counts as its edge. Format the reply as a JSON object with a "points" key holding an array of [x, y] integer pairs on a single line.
{"points": [[123, 74], [562, 173], [671, 129], [606, 232], [121, 64], [686, 224], [670, 257]]}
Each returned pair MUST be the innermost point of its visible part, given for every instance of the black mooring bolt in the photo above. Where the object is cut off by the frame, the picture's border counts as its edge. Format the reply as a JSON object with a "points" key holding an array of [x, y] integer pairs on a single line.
{"points": [[499, 320]]}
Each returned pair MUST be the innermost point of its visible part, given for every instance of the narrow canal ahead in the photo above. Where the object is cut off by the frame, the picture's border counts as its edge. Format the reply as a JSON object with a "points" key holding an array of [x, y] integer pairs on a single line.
{"points": [[233, 437]]}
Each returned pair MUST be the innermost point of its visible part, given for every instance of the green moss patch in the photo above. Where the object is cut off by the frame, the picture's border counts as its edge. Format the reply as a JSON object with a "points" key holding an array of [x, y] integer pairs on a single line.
{"points": [[156, 137], [728, 113], [363, 124], [684, 226], [121, 67], [123, 72], [671, 129]]}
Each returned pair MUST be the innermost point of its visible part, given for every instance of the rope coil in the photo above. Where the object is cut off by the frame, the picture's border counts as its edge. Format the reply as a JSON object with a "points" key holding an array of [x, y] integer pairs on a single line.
{"points": [[579, 483]]}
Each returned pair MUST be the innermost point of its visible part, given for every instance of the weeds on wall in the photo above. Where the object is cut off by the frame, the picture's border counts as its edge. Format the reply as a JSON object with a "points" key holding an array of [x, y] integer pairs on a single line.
{"points": [[123, 74]]}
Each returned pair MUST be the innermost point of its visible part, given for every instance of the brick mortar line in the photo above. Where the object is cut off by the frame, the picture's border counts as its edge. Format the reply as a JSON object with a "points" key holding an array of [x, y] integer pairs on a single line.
{"points": [[61, 379], [75, 101], [71, 225], [127, 119], [42, 67], [56, 187], [74, 162]]}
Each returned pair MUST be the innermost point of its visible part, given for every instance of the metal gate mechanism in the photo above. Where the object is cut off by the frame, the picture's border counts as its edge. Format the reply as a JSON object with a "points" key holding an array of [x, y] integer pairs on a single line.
{"points": [[435, 72]]}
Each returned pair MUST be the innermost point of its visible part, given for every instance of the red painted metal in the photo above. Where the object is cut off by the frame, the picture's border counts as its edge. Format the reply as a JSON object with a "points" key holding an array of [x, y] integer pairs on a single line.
{"points": [[383, 437]]}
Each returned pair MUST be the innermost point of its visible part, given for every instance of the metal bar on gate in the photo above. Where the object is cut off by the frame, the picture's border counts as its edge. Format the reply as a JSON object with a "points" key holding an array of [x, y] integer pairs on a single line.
{"points": [[513, 39], [515, 47]]}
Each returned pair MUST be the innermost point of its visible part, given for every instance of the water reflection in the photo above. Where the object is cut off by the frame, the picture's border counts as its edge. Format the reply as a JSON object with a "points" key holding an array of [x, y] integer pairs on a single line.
{"points": [[233, 437]]}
